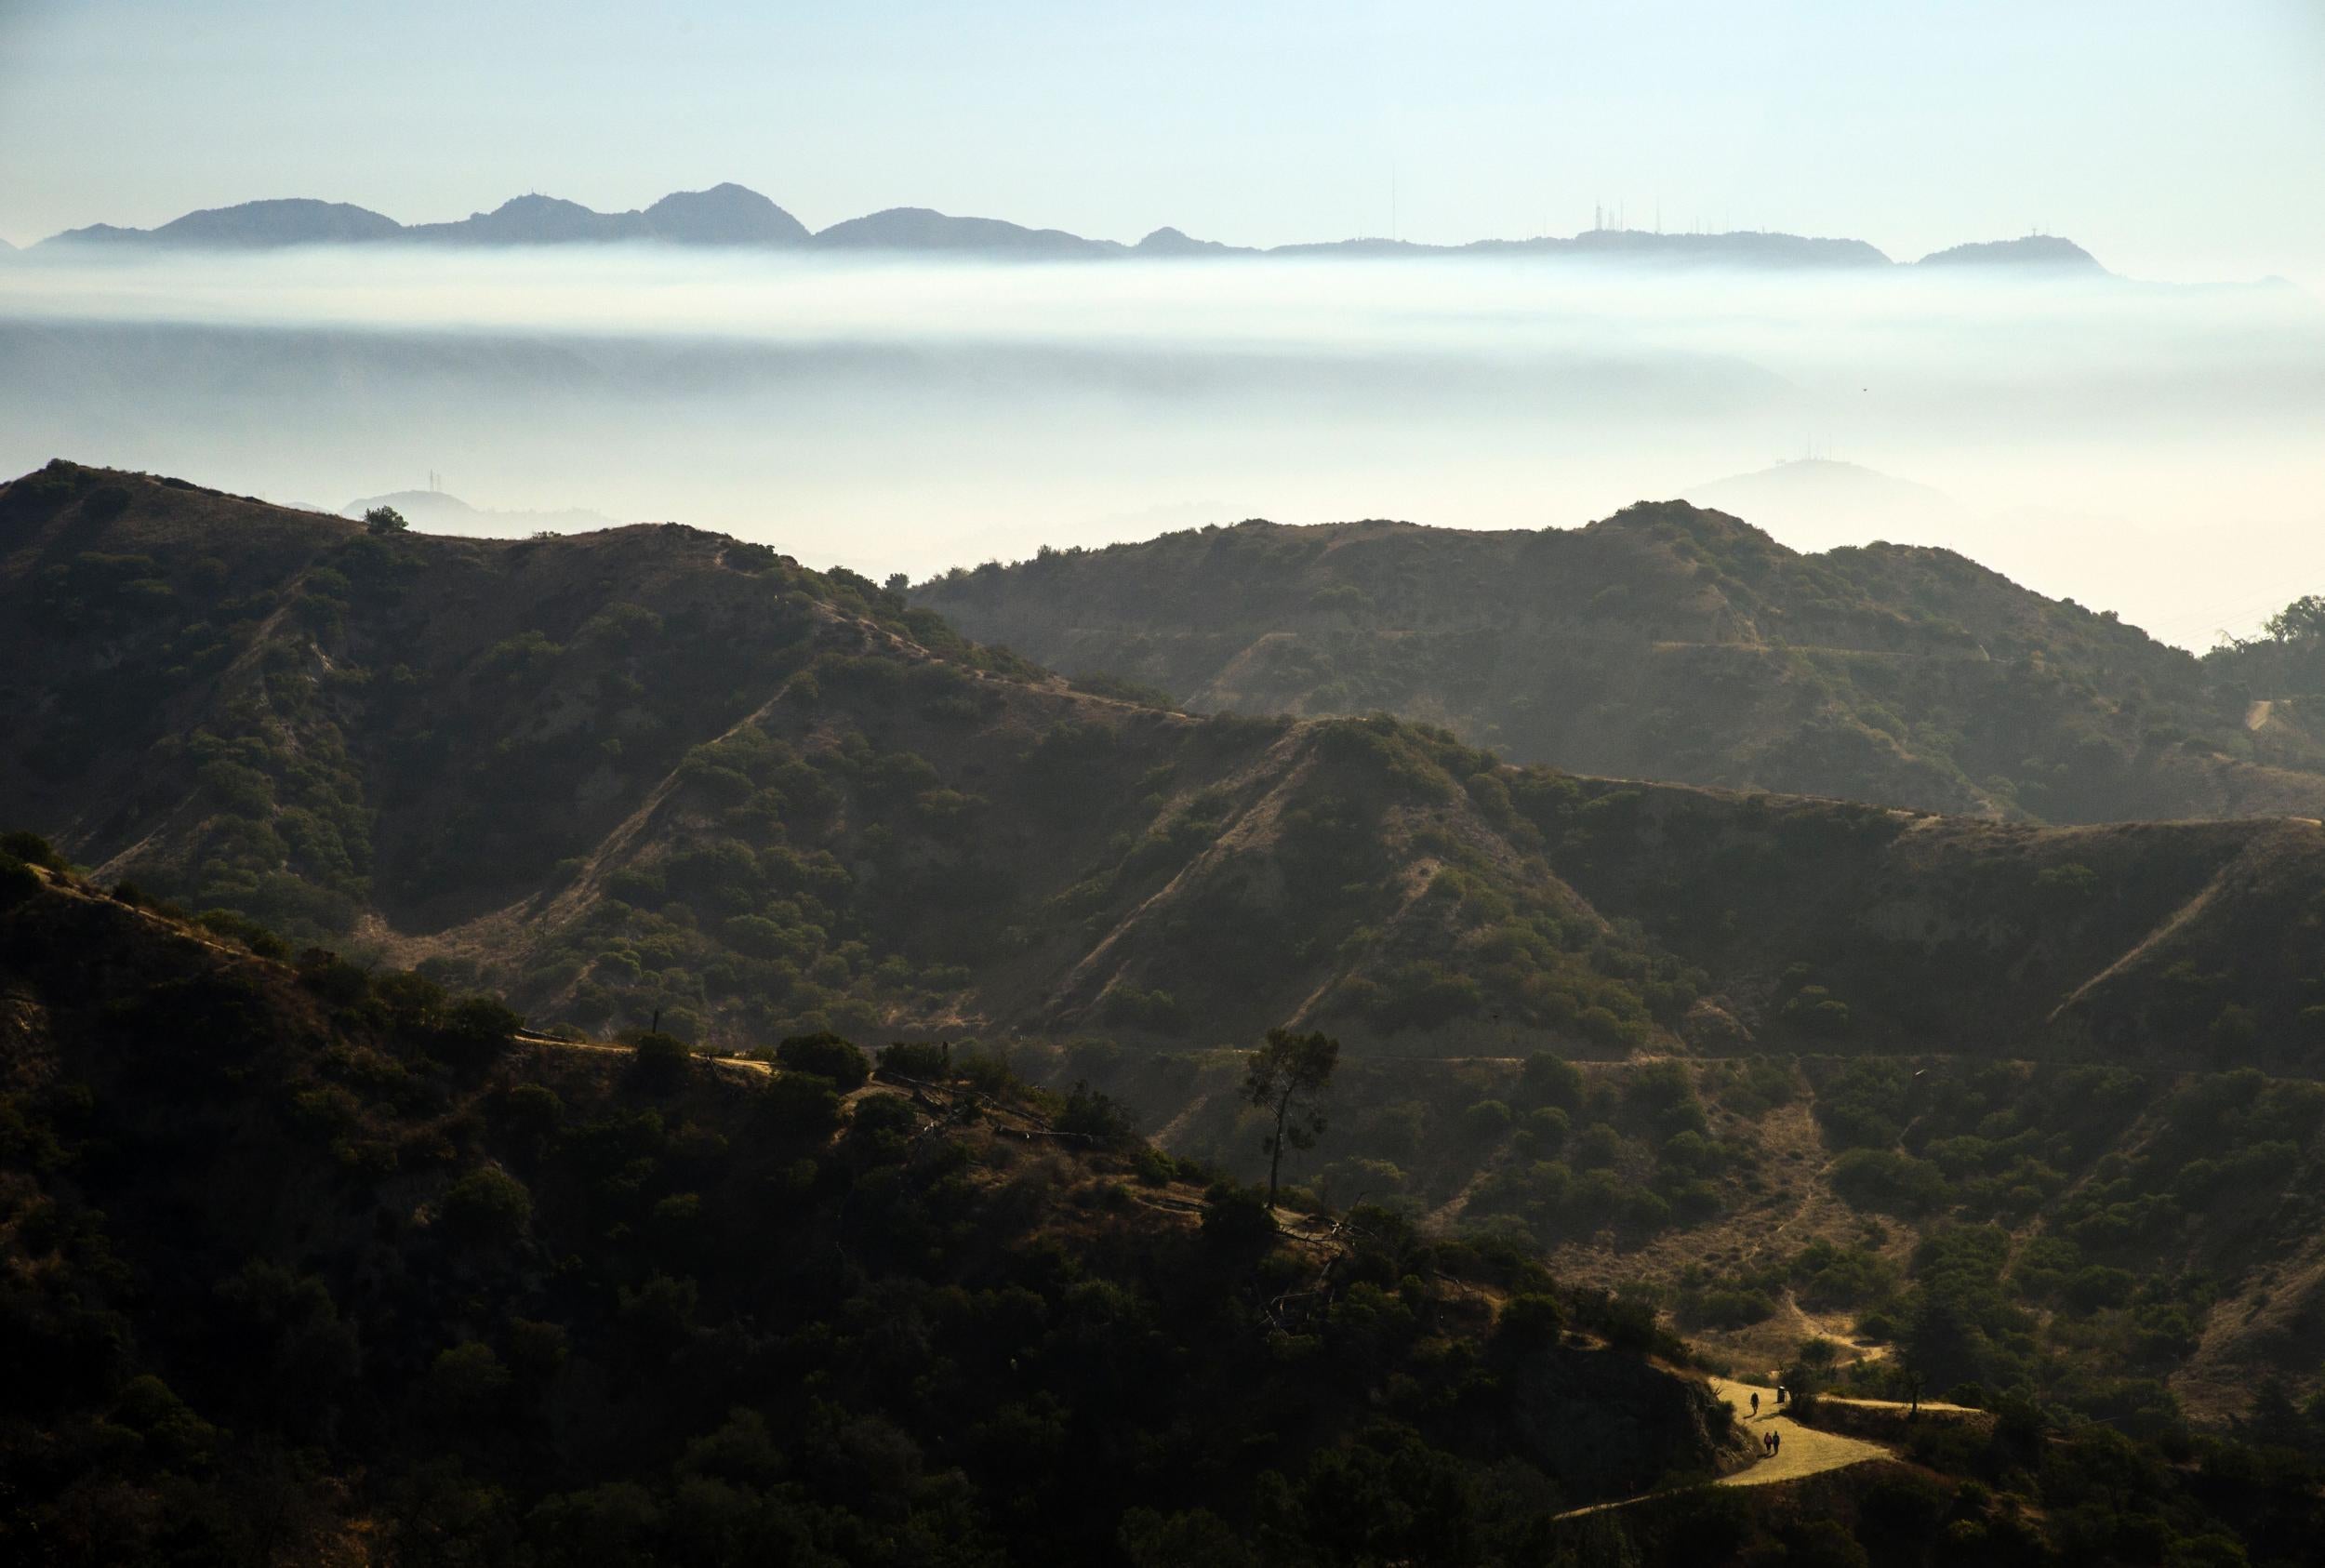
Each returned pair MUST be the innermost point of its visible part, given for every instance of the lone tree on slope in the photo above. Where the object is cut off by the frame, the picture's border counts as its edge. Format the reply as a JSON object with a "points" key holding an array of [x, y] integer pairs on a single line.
{"points": [[384, 519], [1286, 1077]]}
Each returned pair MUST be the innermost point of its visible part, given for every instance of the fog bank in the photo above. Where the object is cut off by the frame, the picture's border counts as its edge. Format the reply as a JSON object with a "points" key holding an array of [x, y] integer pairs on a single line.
{"points": [[2144, 448]]}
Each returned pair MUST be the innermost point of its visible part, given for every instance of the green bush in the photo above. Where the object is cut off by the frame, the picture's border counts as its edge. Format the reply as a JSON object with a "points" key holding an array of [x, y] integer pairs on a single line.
{"points": [[237, 926], [1885, 1179], [659, 1062], [479, 1028], [922, 1059], [31, 849], [825, 1056], [1152, 1166], [1235, 1218], [1485, 1121], [488, 1207], [468, 1382], [1531, 1320], [799, 1106], [1100, 1118], [1728, 1308], [335, 979], [1552, 1080]]}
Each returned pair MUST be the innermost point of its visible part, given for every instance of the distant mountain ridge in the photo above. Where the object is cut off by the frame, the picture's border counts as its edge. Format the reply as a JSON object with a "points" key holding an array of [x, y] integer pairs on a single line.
{"points": [[732, 215], [727, 214], [1819, 502]]}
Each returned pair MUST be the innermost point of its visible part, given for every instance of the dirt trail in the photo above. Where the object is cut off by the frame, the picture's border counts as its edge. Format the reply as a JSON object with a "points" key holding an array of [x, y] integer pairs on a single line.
{"points": [[1800, 1451], [744, 1064], [1178, 1123]]}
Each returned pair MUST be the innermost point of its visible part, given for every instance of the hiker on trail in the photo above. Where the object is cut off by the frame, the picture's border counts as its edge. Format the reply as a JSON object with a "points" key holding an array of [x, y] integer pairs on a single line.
{"points": [[1768, 1444], [1755, 1403], [1775, 1442]]}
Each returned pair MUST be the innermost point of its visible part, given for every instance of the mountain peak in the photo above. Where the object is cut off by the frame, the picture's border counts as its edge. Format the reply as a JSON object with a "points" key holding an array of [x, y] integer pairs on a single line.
{"points": [[1175, 242], [2029, 250], [920, 227], [726, 213]]}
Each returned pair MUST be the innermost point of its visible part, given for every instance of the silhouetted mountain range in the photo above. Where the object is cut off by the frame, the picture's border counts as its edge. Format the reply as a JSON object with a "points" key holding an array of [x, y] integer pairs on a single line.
{"points": [[732, 215]]}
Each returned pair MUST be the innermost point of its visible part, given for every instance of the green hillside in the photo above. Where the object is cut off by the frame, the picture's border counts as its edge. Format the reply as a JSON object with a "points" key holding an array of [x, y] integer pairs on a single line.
{"points": [[2022, 1112], [310, 1265], [652, 773], [1667, 642]]}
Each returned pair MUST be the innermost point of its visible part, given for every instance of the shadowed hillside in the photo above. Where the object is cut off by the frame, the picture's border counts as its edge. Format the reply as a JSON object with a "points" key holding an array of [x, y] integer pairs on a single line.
{"points": [[306, 1266], [1667, 642]]}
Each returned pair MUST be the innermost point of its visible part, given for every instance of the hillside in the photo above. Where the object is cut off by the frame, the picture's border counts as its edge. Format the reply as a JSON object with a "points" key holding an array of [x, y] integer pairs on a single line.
{"points": [[1667, 642], [649, 769], [2021, 1108], [306, 1265], [652, 772], [2149, 1246]]}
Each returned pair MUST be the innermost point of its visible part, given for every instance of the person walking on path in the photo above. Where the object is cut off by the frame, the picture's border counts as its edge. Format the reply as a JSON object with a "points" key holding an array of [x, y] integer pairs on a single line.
{"points": [[1756, 1405], [1775, 1443]]}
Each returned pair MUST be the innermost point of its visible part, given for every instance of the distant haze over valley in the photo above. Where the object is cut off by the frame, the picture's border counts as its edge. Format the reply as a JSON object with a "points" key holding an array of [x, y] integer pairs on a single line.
{"points": [[442, 513], [2144, 448]]}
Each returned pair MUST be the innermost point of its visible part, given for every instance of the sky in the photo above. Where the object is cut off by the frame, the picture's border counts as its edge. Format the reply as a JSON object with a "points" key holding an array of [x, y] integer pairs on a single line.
{"points": [[2174, 140]]}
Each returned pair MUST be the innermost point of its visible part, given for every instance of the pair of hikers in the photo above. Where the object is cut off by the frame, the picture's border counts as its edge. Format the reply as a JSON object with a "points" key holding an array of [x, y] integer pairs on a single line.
{"points": [[1770, 1443]]}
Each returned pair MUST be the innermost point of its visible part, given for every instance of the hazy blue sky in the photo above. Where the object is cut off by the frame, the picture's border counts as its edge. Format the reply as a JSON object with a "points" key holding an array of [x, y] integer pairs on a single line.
{"points": [[2175, 139]]}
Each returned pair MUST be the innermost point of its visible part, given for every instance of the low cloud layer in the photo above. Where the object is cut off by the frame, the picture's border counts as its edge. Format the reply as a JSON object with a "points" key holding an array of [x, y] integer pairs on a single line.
{"points": [[2149, 449]]}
